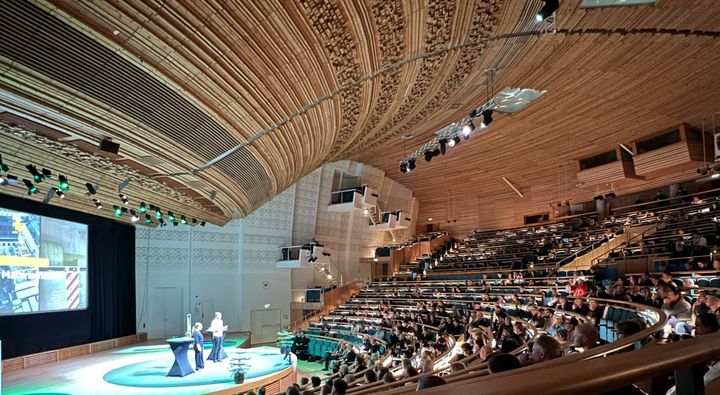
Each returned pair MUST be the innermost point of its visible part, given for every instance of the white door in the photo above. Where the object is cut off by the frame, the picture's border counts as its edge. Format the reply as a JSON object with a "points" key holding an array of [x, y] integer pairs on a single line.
{"points": [[265, 325], [165, 316]]}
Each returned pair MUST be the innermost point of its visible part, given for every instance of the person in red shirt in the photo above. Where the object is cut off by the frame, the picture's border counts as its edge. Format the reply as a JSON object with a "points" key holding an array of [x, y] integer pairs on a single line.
{"points": [[579, 289]]}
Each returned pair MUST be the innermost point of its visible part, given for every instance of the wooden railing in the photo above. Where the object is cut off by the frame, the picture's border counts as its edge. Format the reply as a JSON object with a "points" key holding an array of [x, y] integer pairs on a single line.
{"points": [[33, 360], [331, 300]]}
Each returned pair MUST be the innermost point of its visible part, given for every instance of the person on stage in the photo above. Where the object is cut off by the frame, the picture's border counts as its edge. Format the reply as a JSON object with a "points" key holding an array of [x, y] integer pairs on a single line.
{"points": [[198, 346], [218, 328], [285, 341]]}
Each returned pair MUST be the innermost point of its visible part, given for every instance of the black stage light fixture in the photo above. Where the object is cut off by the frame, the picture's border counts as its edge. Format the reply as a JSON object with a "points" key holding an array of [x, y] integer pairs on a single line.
{"points": [[134, 217], [599, 197], [443, 143], [610, 195], [4, 167], [428, 156], [46, 173], [454, 141], [703, 170], [171, 216], [403, 167], [175, 223], [202, 223], [30, 187], [548, 9], [487, 118], [436, 151], [91, 188], [123, 198], [98, 204], [35, 173], [59, 193], [411, 164], [8, 180], [194, 221], [467, 129], [148, 220], [142, 208]]}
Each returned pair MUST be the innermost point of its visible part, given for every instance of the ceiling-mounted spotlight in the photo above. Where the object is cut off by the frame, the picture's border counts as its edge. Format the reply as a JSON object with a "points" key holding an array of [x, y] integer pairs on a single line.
{"points": [[134, 217], [35, 173], [702, 171], [124, 198], [124, 183], [194, 221], [599, 197], [454, 141], [442, 143], [322, 268], [98, 204], [60, 193], [92, 188], [31, 189], [467, 129], [46, 173], [148, 219], [411, 164], [171, 216], [403, 168], [436, 151], [487, 118], [183, 220], [142, 208], [161, 222], [3, 166], [176, 223], [428, 156], [548, 9], [117, 211], [158, 214], [202, 223], [329, 276], [610, 195], [63, 183]]}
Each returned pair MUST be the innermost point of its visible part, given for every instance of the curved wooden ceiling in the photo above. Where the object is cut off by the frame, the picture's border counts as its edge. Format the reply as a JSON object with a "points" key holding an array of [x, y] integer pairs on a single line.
{"points": [[183, 81]]}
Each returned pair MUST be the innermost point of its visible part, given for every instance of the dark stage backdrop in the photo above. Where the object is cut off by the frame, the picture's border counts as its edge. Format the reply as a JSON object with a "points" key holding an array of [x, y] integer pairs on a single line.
{"points": [[111, 289]]}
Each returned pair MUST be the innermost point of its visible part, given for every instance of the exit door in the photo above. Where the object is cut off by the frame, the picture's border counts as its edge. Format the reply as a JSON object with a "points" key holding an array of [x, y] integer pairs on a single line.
{"points": [[265, 325], [165, 315]]}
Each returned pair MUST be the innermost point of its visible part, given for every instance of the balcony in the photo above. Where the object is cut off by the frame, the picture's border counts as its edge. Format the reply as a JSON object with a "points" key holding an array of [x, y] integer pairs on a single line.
{"points": [[293, 257], [348, 200]]}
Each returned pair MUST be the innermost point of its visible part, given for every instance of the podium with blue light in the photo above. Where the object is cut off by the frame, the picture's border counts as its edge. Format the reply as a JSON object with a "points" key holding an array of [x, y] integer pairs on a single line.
{"points": [[179, 346]]}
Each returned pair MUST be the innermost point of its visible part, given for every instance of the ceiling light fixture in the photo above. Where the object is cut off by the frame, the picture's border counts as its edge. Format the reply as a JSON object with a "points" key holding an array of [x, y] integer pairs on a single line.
{"points": [[487, 118], [92, 188], [98, 204], [548, 9], [124, 199], [31, 189]]}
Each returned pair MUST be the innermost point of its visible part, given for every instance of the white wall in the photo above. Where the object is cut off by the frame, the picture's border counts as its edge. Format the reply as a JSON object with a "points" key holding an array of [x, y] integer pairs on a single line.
{"points": [[232, 268]]}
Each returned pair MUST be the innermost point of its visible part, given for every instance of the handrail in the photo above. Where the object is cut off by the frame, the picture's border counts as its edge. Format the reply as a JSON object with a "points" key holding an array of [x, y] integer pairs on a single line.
{"points": [[655, 202], [300, 323], [629, 241], [597, 375]]}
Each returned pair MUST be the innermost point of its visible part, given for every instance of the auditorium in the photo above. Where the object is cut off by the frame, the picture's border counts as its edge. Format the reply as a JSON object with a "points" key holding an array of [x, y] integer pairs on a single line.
{"points": [[314, 197]]}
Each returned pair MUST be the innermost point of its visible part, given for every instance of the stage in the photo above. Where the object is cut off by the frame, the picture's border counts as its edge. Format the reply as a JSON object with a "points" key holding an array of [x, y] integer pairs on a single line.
{"points": [[142, 369]]}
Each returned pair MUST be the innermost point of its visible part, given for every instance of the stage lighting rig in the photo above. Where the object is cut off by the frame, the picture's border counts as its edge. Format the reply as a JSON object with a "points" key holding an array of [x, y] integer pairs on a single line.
{"points": [[411, 165], [59, 193], [202, 223], [31, 189], [171, 216], [158, 214]]}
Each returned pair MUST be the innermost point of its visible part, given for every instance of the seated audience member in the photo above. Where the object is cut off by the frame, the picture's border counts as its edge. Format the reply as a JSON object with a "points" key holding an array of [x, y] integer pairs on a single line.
{"points": [[595, 312], [315, 381], [544, 348], [579, 307], [337, 355], [429, 381], [678, 311], [326, 389], [388, 378], [502, 362], [340, 386], [585, 336], [304, 381], [370, 376], [410, 372], [292, 390], [706, 324], [426, 363], [456, 367]]}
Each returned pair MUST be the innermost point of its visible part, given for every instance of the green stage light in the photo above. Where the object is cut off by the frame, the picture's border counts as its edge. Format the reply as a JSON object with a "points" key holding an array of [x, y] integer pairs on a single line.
{"points": [[64, 185], [183, 220], [117, 211], [35, 173], [171, 216], [31, 189], [3, 166], [142, 207], [148, 220], [158, 214]]}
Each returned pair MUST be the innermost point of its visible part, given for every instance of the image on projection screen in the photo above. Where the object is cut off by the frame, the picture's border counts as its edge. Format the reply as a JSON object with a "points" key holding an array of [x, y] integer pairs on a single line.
{"points": [[43, 264]]}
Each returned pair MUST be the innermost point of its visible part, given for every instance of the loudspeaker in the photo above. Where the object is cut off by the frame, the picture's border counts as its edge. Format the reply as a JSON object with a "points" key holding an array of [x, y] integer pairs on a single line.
{"points": [[110, 146]]}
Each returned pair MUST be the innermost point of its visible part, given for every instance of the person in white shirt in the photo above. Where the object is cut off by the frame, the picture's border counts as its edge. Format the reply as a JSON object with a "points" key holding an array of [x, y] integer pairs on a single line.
{"points": [[218, 328]]}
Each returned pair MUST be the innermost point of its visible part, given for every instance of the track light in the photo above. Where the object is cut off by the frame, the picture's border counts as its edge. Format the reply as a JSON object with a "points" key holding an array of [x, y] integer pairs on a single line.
{"points": [[322, 268], [428, 156], [142, 208], [161, 222], [98, 204], [442, 143], [175, 223], [451, 143], [548, 9], [411, 165], [60, 193], [124, 199], [487, 118], [30, 187], [134, 217], [467, 129], [34, 172], [92, 188]]}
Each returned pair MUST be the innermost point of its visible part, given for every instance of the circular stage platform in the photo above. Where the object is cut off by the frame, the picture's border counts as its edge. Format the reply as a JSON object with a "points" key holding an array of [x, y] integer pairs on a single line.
{"points": [[153, 373]]}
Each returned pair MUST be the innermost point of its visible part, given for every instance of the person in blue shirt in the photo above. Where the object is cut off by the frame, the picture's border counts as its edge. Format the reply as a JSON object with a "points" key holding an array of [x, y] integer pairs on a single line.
{"points": [[198, 345]]}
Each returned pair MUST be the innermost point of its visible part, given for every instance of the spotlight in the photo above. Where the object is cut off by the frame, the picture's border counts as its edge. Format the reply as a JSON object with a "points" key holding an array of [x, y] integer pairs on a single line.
{"points": [[175, 223], [8, 180], [162, 222], [158, 214], [46, 174], [63, 185], [366, 212], [403, 168], [171, 216], [30, 187], [60, 193], [98, 204], [3, 166], [34, 172], [194, 221], [148, 220], [428, 156], [322, 268], [548, 9], [329, 276], [183, 220], [202, 223], [92, 188], [452, 142], [117, 211], [134, 217], [142, 208], [124, 199], [411, 165], [436, 151], [467, 129], [442, 142], [487, 118]]}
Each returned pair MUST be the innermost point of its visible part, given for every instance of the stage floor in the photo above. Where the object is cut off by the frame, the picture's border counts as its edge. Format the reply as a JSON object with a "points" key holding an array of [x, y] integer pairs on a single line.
{"points": [[141, 369]]}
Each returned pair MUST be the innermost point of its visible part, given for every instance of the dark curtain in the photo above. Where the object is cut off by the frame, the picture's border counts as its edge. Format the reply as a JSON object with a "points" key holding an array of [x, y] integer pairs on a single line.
{"points": [[111, 289]]}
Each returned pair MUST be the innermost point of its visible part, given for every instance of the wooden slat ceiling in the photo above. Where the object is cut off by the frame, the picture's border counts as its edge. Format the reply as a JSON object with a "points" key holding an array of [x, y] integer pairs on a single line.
{"points": [[178, 83]]}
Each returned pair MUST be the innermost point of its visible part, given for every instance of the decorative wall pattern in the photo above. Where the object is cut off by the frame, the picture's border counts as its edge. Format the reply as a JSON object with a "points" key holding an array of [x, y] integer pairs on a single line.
{"points": [[306, 206]]}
